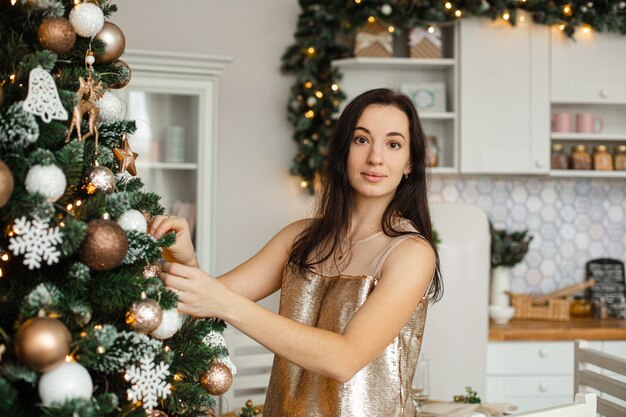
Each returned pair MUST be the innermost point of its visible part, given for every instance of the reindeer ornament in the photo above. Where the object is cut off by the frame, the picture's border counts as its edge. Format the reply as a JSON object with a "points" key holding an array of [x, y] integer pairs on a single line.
{"points": [[88, 92]]}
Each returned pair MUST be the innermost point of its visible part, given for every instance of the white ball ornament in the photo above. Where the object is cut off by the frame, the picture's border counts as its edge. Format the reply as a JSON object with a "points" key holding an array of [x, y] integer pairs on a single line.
{"points": [[111, 107], [90, 59], [386, 9], [133, 220], [311, 101], [47, 180], [170, 324], [66, 381], [87, 19]]}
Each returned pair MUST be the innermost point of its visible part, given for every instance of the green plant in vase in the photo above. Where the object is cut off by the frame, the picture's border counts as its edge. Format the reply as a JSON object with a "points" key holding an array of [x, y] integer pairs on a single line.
{"points": [[507, 250]]}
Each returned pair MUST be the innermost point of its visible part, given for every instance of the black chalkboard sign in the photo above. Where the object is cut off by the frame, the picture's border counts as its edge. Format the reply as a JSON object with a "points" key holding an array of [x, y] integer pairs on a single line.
{"points": [[610, 287]]}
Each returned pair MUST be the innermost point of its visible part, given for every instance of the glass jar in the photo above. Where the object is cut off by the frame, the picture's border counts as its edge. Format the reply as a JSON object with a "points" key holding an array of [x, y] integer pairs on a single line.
{"points": [[432, 153], [558, 158], [581, 159], [602, 159], [581, 307], [619, 159]]}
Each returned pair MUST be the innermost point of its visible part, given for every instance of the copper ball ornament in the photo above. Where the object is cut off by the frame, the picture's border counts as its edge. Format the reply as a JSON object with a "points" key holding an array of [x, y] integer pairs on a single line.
{"points": [[144, 316], [104, 246], [100, 179], [217, 379], [156, 413], [6, 183], [42, 343], [124, 76], [57, 34], [115, 42]]}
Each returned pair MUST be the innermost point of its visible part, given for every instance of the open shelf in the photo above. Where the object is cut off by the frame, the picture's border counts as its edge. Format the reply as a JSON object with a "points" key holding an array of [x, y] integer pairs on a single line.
{"points": [[394, 63], [579, 173]]}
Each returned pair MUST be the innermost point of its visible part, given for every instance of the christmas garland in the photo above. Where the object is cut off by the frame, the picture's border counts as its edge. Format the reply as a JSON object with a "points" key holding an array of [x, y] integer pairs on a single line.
{"points": [[326, 30]]}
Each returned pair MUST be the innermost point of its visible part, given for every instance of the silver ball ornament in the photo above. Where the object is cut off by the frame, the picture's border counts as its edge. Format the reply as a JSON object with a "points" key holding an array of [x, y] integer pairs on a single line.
{"points": [[87, 19], [47, 180], [170, 323], [144, 316], [133, 220], [111, 107], [100, 179]]}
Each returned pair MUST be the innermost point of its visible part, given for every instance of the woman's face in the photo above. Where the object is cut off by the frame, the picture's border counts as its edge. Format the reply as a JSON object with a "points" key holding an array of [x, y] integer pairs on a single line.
{"points": [[379, 152]]}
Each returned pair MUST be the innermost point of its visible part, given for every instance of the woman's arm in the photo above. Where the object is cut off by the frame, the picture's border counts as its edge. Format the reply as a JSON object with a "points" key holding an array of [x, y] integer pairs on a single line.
{"points": [[405, 277]]}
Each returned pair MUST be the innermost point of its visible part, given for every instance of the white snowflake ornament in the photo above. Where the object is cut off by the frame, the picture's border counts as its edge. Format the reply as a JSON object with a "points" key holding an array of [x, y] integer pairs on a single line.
{"points": [[43, 98], [37, 241], [148, 382]]}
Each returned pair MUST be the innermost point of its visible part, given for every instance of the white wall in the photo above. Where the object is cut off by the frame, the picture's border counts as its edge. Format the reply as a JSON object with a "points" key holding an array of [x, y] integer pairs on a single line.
{"points": [[256, 195]]}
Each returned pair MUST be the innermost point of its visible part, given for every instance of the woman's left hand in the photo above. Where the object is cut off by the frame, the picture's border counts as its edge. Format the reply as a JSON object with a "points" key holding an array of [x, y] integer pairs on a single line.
{"points": [[199, 294]]}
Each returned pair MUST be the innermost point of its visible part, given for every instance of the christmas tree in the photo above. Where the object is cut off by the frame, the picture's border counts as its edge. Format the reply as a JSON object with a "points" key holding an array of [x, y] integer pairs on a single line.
{"points": [[86, 326]]}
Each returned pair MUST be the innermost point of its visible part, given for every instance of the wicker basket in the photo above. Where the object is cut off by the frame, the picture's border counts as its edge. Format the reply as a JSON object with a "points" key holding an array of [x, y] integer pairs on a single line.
{"points": [[527, 307]]}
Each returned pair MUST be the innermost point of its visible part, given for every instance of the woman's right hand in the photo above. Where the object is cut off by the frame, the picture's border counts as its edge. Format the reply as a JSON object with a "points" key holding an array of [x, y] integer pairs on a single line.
{"points": [[182, 251]]}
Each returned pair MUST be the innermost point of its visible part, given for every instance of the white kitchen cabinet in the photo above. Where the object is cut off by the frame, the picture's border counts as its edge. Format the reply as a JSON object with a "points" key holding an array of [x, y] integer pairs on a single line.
{"points": [[587, 75], [173, 98], [504, 93], [363, 73], [534, 375]]}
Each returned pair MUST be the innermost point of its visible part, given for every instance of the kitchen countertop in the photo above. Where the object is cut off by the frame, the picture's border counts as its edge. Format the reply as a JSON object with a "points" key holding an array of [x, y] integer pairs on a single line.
{"points": [[588, 329]]}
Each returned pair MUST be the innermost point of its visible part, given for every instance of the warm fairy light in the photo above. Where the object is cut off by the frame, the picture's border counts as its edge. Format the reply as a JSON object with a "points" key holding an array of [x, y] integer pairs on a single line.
{"points": [[561, 26], [310, 51], [83, 334], [62, 224], [13, 2], [77, 1], [304, 184], [12, 77], [458, 13], [78, 203], [567, 10], [335, 102], [586, 29], [448, 5], [70, 206], [0, 272], [309, 114], [167, 348], [522, 19], [308, 84], [391, 29], [506, 16], [4, 257], [319, 94], [69, 358], [431, 29], [306, 142], [357, 1], [371, 19], [177, 377], [97, 327], [334, 87]]}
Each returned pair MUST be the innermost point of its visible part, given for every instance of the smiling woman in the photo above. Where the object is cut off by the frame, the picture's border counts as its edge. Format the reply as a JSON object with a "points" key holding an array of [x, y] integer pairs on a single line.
{"points": [[366, 257]]}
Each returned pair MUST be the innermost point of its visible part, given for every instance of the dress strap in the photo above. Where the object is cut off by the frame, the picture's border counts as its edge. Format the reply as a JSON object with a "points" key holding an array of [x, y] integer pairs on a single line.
{"points": [[377, 264]]}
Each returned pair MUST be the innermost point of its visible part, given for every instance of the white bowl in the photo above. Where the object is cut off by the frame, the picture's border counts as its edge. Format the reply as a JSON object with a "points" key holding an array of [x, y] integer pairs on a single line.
{"points": [[501, 314]]}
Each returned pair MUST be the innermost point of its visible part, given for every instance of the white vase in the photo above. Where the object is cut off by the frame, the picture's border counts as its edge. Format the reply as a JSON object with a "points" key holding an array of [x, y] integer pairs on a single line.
{"points": [[500, 284]]}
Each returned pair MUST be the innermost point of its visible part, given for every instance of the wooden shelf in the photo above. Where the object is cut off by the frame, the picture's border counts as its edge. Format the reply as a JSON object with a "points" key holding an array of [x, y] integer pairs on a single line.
{"points": [[528, 330], [367, 63], [589, 136], [574, 173]]}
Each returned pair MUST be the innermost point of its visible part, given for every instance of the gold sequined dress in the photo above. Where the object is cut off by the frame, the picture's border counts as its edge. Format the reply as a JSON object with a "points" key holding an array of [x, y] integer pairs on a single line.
{"points": [[382, 388]]}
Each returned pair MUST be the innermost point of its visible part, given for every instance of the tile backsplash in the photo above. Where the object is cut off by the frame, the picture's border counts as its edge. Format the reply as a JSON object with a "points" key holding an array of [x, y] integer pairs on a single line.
{"points": [[571, 220]]}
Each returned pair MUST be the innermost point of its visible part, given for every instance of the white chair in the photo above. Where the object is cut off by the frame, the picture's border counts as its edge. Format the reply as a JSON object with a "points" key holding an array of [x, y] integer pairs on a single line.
{"points": [[584, 405], [254, 365], [605, 380]]}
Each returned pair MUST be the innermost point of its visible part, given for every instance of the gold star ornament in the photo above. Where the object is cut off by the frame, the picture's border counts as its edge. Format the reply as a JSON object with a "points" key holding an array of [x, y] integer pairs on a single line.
{"points": [[126, 156]]}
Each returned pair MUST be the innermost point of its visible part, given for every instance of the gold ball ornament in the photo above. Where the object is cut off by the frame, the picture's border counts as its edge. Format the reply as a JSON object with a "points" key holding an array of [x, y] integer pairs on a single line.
{"points": [[115, 42], [42, 343], [104, 246], [6, 183], [144, 316], [125, 74], [57, 34], [100, 179], [156, 413], [151, 271], [217, 379]]}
